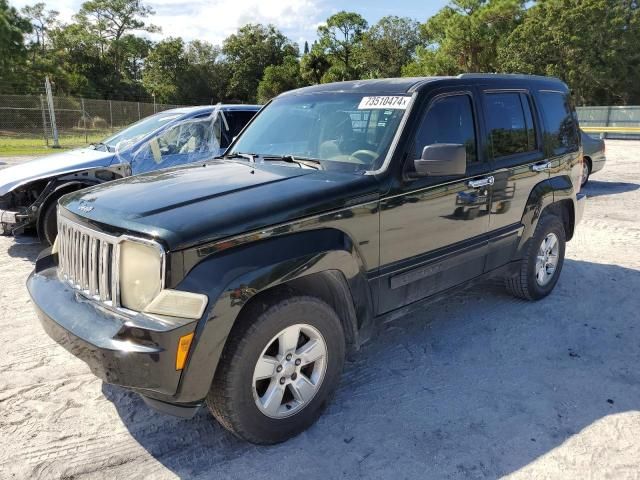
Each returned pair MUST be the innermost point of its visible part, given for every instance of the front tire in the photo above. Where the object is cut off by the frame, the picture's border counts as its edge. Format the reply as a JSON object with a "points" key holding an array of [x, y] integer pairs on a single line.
{"points": [[542, 263], [49, 223], [586, 171], [279, 370]]}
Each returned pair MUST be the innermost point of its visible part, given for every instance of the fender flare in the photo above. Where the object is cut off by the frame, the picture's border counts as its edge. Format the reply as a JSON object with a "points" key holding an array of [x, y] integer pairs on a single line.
{"points": [[233, 277], [543, 196]]}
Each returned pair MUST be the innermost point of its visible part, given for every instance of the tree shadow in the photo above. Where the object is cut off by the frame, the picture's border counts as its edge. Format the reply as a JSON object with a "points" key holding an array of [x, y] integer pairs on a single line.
{"points": [[595, 188], [477, 385]]}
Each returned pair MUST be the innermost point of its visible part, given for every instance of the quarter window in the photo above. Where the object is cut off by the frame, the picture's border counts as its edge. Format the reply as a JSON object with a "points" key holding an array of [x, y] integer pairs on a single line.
{"points": [[510, 123], [448, 120], [561, 132]]}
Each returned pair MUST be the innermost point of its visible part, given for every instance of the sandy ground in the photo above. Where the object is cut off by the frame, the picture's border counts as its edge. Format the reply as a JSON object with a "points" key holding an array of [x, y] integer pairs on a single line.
{"points": [[478, 386]]}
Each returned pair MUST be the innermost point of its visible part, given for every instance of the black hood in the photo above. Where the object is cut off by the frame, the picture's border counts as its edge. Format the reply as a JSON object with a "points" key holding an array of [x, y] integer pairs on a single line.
{"points": [[197, 203]]}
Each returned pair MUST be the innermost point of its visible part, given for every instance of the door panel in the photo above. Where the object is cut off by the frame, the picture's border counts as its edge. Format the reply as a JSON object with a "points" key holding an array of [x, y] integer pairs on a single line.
{"points": [[516, 146], [433, 233]]}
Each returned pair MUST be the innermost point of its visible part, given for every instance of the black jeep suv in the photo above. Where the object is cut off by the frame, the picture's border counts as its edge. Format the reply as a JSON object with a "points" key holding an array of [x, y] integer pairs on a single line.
{"points": [[243, 281]]}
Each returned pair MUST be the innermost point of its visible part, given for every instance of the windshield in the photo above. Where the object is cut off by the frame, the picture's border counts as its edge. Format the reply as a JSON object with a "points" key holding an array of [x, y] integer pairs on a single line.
{"points": [[183, 141], [344, 131], [140, 129]]}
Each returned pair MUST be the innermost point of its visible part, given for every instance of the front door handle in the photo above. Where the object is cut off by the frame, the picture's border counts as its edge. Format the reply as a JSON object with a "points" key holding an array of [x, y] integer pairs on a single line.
{"points": [[541, 167], [481, 182]]}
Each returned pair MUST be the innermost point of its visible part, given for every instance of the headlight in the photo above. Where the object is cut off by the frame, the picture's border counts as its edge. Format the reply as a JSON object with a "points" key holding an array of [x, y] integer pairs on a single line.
{"points": [[140, 274]]}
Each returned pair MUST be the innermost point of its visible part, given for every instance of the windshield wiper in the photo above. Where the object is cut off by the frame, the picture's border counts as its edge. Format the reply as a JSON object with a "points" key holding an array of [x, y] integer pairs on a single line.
{"points": [[302, 161], [248, 156]]}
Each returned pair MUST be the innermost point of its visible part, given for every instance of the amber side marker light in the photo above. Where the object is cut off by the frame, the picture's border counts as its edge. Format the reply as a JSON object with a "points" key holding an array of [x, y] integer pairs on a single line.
{"points": [[183, 350]]}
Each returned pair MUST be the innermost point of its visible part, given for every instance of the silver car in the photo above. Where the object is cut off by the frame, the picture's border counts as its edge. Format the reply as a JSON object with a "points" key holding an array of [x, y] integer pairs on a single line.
{"points": [[594, 157], [29, 192]]}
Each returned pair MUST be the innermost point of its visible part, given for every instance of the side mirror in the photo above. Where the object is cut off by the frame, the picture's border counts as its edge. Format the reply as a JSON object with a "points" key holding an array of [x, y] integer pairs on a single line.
{"points": [[442, 159]]}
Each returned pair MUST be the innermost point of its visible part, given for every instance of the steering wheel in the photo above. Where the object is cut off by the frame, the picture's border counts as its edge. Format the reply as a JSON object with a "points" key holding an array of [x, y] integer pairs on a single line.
{"points": [[372, 156]]}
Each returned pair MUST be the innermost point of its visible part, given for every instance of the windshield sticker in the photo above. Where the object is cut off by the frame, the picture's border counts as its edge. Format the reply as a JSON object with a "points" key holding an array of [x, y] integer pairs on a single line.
{"points": [[384, 103]]}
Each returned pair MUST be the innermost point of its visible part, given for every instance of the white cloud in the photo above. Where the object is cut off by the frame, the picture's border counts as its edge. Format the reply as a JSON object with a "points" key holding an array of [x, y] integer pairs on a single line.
{"points": [[214, 20]]}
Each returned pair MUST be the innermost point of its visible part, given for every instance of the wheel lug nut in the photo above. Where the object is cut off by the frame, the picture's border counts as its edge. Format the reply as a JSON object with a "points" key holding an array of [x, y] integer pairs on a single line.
{"points": [[298, 361], [279, 368], [289, 357], [282, 380], [294, 376]]}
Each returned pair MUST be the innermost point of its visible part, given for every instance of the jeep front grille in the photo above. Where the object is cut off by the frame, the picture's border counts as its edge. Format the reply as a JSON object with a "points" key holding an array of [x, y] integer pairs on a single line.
{"points": [[88, 260]]}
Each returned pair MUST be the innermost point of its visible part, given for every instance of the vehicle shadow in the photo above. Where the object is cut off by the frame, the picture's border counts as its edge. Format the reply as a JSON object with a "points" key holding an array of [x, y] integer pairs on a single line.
{"points": [[595, 188], [26, 247], [477, 385]]}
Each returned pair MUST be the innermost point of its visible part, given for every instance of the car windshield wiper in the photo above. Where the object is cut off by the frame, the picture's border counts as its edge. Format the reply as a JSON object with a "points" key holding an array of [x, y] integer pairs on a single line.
{"points": [[302, 161], [248, 156]]}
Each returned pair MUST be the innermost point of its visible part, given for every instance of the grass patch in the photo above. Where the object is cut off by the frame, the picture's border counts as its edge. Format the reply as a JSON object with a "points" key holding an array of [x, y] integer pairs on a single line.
{"points": [[11, 144]]}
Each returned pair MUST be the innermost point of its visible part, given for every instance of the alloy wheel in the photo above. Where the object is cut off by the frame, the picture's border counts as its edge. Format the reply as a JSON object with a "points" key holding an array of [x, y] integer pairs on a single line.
{"points": [[289, 371], [547, 259]]}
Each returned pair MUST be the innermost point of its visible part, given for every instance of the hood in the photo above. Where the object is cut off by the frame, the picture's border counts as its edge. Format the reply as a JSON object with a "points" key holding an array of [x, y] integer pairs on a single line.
{"points": [[197, 203], [52, 165]]}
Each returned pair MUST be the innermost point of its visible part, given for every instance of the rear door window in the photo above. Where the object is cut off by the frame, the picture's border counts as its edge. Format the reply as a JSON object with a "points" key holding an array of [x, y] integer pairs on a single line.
{"points": [[560, 122], [510, 123]]}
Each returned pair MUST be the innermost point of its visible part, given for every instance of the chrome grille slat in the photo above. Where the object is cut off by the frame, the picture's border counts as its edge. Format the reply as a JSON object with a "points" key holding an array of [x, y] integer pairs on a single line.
{"points": [[103, 269], [93, 284]]}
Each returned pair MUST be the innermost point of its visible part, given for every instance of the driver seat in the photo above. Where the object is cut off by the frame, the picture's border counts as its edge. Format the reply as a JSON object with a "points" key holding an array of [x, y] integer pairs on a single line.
{"points": [[338, 132]]}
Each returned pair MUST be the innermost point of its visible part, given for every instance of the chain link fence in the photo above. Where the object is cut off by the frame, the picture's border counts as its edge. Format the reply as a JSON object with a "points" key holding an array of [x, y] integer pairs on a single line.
{"points": [[78, 120], [26, 118]]}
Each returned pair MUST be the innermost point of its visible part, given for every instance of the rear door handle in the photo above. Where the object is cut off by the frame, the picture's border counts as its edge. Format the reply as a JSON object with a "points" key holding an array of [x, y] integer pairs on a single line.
{"points": [[541, 167], [482, 182]]}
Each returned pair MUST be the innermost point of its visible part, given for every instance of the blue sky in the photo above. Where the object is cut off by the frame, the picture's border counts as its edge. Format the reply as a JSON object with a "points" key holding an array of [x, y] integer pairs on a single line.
{"points": [[213, 20]]}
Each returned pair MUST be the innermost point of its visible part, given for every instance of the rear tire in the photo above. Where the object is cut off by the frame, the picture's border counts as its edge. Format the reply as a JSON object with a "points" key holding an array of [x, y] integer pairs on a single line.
{"points": [[241, 394], [542, 262]]}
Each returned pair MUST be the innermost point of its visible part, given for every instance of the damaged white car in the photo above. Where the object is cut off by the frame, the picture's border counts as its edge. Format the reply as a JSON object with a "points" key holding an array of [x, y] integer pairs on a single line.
{"points": [[29, 192]]}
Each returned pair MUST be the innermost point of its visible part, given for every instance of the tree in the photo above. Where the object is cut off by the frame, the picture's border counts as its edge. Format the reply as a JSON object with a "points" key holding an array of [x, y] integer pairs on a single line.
{"points": [[42, 21], [110, 20], [306, 47], [114, 18], [164, 67], [341, 38], [176, 72], [279, 78], [590, 44], [13, 28], [249, 52], [465, 36], [314, 65], [389, 45]]}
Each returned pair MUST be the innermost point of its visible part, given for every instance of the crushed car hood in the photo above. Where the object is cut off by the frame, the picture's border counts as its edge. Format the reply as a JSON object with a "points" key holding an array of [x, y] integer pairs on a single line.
{"points": [[52, 165], [197, 203]]}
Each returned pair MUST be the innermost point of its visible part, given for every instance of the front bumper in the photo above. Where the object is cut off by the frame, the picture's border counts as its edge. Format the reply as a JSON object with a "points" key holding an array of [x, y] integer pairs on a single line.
{"points": [[597, 162], [581, 201], [133, 351]]}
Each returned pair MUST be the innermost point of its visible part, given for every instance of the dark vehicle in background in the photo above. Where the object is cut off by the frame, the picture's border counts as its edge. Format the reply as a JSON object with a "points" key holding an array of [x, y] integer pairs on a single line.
{"points": [[593, 150], [29, 192], [241, 283]]}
